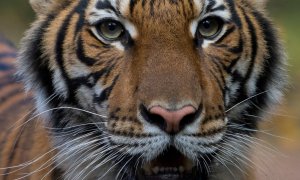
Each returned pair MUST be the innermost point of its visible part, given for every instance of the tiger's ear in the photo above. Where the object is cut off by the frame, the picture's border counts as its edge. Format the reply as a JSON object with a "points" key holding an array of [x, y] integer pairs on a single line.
{"points": [[44, 6], [40, 6], [261, 4]]}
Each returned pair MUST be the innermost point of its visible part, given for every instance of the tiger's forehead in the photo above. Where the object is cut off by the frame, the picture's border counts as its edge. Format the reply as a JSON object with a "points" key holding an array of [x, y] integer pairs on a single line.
{"points": [[172, 12], [156, 8], [126, 6]]}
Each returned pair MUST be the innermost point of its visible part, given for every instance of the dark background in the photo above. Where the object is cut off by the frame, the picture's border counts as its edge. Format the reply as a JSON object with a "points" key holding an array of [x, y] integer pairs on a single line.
{"points": [[278, 155]]}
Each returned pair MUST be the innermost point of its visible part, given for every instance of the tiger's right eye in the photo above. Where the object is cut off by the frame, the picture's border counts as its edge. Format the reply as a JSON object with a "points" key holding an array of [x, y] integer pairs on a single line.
{"points": [[210, 27], [110, 30]]}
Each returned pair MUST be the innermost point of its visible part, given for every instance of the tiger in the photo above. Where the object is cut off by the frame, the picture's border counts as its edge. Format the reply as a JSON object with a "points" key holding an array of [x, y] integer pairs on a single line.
{"points": [[141, 90]]}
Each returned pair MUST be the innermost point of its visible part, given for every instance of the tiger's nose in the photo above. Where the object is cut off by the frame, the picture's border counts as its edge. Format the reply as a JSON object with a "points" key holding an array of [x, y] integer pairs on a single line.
{"points": [[172, 121]]}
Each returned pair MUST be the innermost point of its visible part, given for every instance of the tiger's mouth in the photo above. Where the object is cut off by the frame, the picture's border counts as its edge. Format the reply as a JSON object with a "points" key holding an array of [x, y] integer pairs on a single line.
{"points": [[170, 165]]}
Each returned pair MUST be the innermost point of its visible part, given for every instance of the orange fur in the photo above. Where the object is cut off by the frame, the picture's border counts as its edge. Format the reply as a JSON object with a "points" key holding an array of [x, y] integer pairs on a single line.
{"points": [[163, 68]]}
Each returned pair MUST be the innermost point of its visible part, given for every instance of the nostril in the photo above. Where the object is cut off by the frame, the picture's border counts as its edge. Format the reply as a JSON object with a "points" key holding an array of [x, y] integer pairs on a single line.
{"points": [[190, 118], [153, 118], [170, 121]]}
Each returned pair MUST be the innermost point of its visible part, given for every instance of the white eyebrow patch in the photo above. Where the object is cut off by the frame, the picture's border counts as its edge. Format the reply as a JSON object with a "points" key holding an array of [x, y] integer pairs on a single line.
{"points": [[224, 13], [124, 6]]}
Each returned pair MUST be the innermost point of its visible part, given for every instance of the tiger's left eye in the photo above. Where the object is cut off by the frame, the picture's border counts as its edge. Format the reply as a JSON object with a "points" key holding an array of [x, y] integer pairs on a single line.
{"points": [[110, 30], [210, 27]]}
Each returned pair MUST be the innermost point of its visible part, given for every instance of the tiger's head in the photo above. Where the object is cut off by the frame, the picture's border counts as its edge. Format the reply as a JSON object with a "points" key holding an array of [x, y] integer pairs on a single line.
{"points": [[152, 89]]}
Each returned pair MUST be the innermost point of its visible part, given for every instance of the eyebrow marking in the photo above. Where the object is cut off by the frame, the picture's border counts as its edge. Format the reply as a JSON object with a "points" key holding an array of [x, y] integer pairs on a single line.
{"points": [[219, 8], [211, 7], [132, 4], [105, 4]]}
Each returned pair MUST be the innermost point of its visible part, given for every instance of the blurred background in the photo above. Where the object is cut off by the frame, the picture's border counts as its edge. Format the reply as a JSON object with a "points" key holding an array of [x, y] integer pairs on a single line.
{"points": [[277, 153]]}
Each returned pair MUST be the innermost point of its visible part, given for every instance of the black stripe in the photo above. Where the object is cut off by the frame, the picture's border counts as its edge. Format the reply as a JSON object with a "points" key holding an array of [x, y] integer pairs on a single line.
{"points": [[13, 152], [87, 81], [237, 77], [185, 10], [106, 92], [210, 6], [132, 4], [81, 53], [37, 63], [109, 70], [220, 84], [234, 14], [103, 72], [239, 49], [7, 81], [12, 111], [232, 64], [227, 33], [57, 173], [143, 3], [219, 8], [236, 50], [101, 5], [10, 94], [243, 93], [59, 50], [58, 115], [5, 67], [100, 73], [4, 140], [254, 47], [191, 5], [27, 143], [272, 61], [152, 7], [272, 65], [80, 9], [221, 87], [220, 69]]}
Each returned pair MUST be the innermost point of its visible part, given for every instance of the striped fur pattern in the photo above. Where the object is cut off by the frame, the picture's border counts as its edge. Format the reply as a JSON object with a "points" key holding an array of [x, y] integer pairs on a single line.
{"points": [[97, 91], [20, 137]]}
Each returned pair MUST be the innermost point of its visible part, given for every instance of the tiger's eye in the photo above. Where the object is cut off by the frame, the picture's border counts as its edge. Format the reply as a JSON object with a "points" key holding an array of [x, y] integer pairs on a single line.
{"points": [[210, 27], [110, 30]]}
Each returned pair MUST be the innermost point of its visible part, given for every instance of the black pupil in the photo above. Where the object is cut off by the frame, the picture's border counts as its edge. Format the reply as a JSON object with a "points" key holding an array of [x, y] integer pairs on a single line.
{"points": [[206, 24], [112, 26]]}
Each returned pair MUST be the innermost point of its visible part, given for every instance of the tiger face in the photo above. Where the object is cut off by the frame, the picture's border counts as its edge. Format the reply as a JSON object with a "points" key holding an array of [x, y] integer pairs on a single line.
{"points": [[158, 89]]}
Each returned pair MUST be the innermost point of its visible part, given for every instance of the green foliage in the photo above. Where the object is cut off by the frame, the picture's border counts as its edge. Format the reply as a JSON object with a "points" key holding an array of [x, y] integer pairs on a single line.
{"points": [[15, 17], [286, 14]]}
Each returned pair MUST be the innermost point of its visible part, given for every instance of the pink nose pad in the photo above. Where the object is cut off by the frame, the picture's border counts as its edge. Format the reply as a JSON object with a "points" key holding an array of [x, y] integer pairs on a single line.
{"points": [[172, 118]]}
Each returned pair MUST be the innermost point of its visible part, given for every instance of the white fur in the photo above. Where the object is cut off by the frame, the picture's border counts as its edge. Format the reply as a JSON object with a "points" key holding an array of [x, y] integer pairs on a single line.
{"points": [[59, 84]]}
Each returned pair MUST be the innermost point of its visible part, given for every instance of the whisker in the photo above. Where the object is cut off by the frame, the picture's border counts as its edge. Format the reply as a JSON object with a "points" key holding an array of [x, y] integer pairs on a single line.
{"points": [[108, 152], [240, 127], [24, 165], [245, 100], [219, 159], [271, 113], [48, 100], [69, 152], [104, 161]]}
